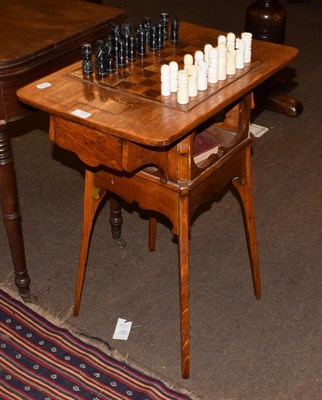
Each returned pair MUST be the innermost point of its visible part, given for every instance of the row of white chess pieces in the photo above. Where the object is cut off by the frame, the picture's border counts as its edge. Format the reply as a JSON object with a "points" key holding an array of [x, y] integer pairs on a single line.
{"points": [[208, 66]]}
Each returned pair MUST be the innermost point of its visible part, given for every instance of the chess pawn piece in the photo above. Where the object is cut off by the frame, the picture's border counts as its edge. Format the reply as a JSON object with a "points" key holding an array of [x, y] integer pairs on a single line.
{"points": [[165, 80], [187, 62], [202, 82], [231, 60], [173, 65], [230, 39], [193, 81], [213, 65], [222, 61], [240, 53], [247, 37], [206, 50], [199, 57], [221, 39], [183, 93], [121, 60], [142, 44]]}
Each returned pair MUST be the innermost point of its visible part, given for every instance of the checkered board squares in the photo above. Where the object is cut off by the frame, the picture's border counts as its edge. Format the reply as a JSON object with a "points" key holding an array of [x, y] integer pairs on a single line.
{"points": [[142, 77]]}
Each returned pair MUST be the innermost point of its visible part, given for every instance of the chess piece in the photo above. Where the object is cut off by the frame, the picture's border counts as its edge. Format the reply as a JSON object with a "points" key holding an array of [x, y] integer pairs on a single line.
{"points": [[165, 80], [183, 93], [164, 18], [187, 62], [87, 64], [121, 60], [160, 38], [174, 31], [247, 38], [202, 82], [222, 61], [207, 48], [153, 38], [221, 39], [193, 81], [142, 43], [173, 65], [199, 57], [240, 53], [231, 60], [131, 54], [213, 65]]}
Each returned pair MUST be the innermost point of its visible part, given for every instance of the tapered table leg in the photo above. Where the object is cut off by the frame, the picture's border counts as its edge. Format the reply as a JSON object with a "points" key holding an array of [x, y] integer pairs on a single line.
{"points": [[92, 199], [243, 185], [116, 222], [11, 213]]}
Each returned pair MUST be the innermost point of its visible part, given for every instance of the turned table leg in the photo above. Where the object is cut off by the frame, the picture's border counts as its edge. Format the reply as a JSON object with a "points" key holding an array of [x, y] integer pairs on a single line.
{"points": [[116, 222], [11, 213]]}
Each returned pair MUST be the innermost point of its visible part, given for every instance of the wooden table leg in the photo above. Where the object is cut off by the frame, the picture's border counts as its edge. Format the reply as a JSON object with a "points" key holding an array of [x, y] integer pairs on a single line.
{"points": [[244, 185], [92, 199], [116, 222], [184, 284], [11, 213]]}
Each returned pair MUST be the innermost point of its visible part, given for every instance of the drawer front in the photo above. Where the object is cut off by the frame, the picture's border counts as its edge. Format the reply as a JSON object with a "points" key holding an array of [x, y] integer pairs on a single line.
{"points": [[94, 148]]}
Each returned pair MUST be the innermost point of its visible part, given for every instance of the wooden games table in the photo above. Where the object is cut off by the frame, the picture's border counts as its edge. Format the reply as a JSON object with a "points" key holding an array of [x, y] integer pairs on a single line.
{"points": [[37, 37], [144, 150]]}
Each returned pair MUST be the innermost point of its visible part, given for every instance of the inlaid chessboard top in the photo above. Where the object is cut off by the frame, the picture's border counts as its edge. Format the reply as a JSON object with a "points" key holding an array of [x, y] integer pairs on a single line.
{"points": [[142, 76], [141, 119]]}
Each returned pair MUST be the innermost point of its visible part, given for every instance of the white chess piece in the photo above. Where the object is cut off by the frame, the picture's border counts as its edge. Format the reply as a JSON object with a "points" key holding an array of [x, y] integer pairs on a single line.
{"points": [[231, 60], [240, 53], [221, 39], [193, 81], [206, 50], [182, 93], [213, 65], [199, 56], [187, 61], [231, 37], [222, 61], [202, 82], [173, 65], [165, 80], [247, 37]]}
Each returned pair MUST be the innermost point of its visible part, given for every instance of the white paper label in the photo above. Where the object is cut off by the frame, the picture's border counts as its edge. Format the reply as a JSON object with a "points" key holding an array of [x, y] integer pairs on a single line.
{"points": [[122, 330], [257, 130], [44, 85], [81, 113]]}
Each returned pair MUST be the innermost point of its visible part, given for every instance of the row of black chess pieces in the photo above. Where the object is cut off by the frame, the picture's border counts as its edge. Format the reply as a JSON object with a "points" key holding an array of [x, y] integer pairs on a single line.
{"points": [[123, 44]]}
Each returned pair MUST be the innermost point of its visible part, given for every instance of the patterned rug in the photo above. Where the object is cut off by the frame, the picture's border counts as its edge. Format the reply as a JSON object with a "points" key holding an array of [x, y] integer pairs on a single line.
{"points": [[39, 360]]}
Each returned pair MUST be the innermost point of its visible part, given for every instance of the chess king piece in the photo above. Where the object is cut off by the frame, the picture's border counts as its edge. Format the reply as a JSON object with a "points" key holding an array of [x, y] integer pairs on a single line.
{"points": [[266, 20]]}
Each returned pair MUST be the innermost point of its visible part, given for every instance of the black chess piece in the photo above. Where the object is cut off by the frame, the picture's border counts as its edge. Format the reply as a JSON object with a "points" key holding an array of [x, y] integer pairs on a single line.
{"points": [[147, 29], [160, 38], [174, 30], [142, 44], [153, 38], [87, 64], [131, 56], [121, 59], [101, 59], [164, 18]]}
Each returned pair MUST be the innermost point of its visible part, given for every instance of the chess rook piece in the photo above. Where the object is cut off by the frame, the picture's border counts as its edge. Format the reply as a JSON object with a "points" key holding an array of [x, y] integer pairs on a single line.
{"points": [[87, 64], [174, 30]]}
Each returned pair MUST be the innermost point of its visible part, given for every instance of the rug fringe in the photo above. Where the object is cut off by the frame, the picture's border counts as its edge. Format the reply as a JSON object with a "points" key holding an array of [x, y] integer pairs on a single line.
{"points": [[96, 342]]}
